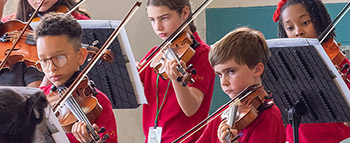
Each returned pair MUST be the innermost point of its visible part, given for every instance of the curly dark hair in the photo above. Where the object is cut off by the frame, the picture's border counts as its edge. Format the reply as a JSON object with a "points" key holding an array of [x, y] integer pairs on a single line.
{"points": [[57, 24], [318, 13], [20, 115]]}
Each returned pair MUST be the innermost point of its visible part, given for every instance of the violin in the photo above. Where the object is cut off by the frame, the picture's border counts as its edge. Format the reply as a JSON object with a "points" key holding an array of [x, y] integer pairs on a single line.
{"points": [[179, 49], [82, 106], [59, 9], [25, 50], [337, 57], [332, 47], [252, 100], [246, 109], [18, 40]]}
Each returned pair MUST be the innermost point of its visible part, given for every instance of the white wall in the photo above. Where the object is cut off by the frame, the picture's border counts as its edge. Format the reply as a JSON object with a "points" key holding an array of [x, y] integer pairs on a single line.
{"points": [[142, 38]]}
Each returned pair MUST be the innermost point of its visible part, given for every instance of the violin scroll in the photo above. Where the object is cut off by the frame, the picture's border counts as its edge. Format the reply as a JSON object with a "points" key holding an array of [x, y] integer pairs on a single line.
{"points": [[107, 56]]}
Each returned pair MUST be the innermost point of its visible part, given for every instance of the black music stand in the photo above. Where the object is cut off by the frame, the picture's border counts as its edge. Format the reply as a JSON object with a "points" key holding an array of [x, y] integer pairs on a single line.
{"points": [[119, 80], [305, 83]]}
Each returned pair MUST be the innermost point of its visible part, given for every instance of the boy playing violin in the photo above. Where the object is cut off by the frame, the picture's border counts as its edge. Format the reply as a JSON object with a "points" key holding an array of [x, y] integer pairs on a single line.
{"points": [[308, 19], [60, 54], [238, 59]]}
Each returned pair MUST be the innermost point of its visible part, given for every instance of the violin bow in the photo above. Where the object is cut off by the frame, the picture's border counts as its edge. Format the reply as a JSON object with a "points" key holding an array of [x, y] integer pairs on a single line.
{"points": [[76, 6], [331, 26], [243, 94], [20, 36], [171, 38], [98, 55]]}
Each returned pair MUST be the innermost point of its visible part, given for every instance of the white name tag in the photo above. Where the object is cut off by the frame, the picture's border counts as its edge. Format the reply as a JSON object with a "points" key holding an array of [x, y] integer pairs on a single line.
{"points": [[154, 135]]}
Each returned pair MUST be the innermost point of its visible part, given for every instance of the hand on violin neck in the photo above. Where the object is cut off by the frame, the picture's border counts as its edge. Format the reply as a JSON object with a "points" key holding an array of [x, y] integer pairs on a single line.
{"points": [[172, 71], [225, 129], [81, 133]]}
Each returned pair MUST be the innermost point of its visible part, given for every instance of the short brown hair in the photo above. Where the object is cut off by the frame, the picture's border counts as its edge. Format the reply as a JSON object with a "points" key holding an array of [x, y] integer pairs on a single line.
{"points": [[243, 45], [57, 24]]}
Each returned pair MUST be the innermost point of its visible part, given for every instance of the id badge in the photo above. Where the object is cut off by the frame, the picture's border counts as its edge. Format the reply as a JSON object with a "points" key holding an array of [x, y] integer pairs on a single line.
{"points": [[154, 135]]}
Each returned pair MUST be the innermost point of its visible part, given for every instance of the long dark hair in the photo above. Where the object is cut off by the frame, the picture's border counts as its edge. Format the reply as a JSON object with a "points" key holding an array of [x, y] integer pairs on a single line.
{"points": [[176, 5], [318, 13], [20, 115], [24, 10]]}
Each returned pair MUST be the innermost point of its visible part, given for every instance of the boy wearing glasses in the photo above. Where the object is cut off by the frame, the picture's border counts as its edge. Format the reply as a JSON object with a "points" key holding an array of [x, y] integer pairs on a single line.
{"points": [[60, 55]]}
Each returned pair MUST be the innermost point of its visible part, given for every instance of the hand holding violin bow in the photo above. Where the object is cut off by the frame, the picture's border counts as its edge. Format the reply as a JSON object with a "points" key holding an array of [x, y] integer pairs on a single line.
{"points": [[226, 134]]}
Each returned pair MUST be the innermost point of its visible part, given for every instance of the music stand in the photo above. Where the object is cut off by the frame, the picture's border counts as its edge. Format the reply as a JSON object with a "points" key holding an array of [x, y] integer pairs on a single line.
{"points": [[119, 80], [305, 83]]}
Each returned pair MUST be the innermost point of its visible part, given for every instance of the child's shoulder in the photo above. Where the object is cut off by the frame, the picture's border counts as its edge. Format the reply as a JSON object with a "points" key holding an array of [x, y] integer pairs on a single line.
{"points": [[272, 114], [101, 97]]}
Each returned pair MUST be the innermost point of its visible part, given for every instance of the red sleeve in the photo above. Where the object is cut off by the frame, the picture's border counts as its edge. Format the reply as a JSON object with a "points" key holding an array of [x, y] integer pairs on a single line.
{"points": [[204, 78], [268, 128], [210, 133], [143, 73], [106, 118], [79, 16]]}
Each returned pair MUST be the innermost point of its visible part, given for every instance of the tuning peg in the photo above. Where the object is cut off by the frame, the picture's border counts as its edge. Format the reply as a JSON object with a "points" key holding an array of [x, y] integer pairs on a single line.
{"points": [[179, 79], [102, 129], [184, 84], [193, 71], [345, 66]]}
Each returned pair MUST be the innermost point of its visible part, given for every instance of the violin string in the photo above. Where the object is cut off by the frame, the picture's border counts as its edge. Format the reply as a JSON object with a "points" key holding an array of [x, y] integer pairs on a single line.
{"points": [[79, 113], [149, 62], [96, 58], [331, 26]]}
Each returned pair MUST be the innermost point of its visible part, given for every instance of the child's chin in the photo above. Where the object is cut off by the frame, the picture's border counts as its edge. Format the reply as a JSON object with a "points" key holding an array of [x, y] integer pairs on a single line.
{"points": [[57, 83]]}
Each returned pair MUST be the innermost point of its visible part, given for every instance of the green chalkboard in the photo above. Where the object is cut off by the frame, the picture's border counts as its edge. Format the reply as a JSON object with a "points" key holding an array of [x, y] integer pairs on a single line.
{"points": [[220, 21]]}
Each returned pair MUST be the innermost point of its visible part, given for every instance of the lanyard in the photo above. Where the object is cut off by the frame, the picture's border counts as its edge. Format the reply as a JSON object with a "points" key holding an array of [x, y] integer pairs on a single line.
{"points": [[158, 110]]}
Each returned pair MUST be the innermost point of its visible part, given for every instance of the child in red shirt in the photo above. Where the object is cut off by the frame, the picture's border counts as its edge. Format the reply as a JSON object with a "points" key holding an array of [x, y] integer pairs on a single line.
{"points": [[173, 109], [308, 19], [238, 59], [60, 54]]}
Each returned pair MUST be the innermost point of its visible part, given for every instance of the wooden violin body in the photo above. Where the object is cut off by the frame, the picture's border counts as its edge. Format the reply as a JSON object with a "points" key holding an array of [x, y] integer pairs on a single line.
{"points": [[25, 51], [179, 49], [86, 101], [333, 51], [250, 103], [59, 9], [337, 57]]}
